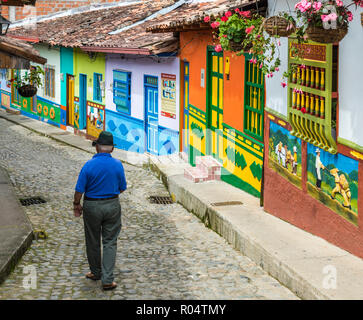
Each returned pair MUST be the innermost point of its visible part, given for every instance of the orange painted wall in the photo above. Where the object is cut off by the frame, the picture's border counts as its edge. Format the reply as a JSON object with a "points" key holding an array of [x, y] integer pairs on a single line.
{"points": [[194, 50], [234, 92]]}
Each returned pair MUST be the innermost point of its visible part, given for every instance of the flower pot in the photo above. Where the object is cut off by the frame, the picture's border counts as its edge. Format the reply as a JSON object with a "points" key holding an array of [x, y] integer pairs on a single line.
{"points": [[319, 34], [235, 46], [27, 91], [278, 26], [361, 18]]}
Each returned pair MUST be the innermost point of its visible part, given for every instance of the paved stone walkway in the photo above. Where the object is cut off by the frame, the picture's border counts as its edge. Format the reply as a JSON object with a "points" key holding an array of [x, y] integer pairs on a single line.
{"points": [[164, 252]]}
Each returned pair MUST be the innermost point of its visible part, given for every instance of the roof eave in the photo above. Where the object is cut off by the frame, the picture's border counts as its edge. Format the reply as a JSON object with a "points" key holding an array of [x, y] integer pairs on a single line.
{"points": [[136, 51]]}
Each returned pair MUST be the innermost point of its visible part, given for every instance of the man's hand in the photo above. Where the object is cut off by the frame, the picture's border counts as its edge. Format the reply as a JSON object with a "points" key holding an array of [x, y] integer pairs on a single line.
{"points": [[77, 210]]}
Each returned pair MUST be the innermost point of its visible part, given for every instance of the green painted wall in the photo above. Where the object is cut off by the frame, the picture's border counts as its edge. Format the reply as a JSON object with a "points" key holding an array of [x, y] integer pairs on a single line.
{"points": [[82, 63]]}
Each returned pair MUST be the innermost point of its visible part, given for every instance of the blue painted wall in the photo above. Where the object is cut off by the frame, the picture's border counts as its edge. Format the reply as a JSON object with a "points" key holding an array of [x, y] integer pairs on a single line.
{"points": [[168, 141], [128, 132], [66, 66]]}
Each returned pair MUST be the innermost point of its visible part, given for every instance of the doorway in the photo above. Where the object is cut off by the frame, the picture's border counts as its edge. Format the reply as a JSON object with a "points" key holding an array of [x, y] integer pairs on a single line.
{"points": [[215, 104], [82, 101], [151, 114], [70, 100]]}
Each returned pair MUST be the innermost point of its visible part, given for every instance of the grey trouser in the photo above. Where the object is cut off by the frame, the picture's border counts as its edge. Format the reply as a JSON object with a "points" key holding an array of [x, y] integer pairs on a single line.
{"points": [[102, 217]]}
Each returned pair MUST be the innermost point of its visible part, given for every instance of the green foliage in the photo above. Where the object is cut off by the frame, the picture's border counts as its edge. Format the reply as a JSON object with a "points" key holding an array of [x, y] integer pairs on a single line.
{"points": [[31, 77]]}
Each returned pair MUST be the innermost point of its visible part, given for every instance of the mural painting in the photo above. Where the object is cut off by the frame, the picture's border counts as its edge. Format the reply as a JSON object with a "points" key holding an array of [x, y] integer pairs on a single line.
{"points": [[333, 179], [285, 153], [95, 119]]}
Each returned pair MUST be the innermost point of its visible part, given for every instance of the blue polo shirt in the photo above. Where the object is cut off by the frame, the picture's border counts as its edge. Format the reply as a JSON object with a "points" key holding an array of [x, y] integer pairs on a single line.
{"points": [[101, 177]]}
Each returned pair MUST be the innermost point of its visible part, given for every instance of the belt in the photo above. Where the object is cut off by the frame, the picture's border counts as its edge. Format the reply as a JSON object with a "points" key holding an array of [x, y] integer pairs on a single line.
{"points": [[99, 199]]}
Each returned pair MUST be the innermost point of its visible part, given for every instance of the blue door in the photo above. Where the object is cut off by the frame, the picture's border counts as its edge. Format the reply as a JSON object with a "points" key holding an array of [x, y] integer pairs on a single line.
{"points": [[151, 114], [82, 101], [186, 109]]}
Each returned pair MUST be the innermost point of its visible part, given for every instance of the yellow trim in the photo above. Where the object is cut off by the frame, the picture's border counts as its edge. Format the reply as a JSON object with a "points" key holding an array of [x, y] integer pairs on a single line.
{"points": [[52, 113], [281, 122], [39, 108], [25, 103], [45, 110], [357, 155], [271, 117]]}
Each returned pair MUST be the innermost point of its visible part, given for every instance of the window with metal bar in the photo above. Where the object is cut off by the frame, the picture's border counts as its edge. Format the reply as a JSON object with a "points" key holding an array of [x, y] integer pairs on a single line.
{"points": [[49, 82], [97, 94], [254, 100], [122, 90]]}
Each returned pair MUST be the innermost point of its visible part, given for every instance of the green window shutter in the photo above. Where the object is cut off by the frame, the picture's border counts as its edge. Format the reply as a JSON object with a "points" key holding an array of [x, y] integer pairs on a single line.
{"points": [[254, 100]]}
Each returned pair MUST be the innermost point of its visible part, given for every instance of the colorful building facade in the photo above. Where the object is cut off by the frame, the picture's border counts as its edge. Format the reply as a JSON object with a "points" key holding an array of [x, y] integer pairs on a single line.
{"points": [[222, 110], [313, 160], [142, 103]]}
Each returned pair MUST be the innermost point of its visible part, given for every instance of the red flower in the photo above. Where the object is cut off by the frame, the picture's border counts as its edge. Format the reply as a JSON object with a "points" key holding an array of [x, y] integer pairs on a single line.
{"points": [[218, 48], [228, 14], [206, 19], [249, 29], [246, 14], [224, 19], [215, 24], [303, 110], [237, 10]]}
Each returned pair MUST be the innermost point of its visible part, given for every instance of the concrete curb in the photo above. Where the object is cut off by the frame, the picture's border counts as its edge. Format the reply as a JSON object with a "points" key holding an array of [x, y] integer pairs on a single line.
{"points": [[16, 234], [278, 258]]}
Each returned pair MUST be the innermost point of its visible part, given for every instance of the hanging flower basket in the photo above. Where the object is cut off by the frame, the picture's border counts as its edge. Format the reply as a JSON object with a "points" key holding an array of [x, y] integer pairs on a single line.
{"points": [[238, 46], [27, 91], [322, 35], [279, 26]]}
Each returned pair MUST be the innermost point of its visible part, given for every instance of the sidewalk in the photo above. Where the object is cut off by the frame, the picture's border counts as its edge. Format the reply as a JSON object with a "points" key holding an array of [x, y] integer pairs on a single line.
{"points": [[16, 232], [297, 259]]}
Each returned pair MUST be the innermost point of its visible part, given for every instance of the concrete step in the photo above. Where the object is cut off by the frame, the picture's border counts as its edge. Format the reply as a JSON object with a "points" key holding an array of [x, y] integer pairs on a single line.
{"points": [[209, 165], [195, 174]]}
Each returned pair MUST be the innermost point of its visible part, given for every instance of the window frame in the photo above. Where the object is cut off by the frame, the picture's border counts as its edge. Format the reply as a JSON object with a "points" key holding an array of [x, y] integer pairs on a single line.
{"points": [[126, 91], [97, 91], [49, 76]]}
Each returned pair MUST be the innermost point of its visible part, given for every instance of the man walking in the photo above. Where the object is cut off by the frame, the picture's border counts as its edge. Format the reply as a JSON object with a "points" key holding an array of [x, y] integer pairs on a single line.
{"points": [[101, 180]]}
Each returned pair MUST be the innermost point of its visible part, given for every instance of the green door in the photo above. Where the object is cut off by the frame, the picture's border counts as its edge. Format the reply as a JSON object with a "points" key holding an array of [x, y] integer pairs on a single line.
{"points": [[215, 104]]}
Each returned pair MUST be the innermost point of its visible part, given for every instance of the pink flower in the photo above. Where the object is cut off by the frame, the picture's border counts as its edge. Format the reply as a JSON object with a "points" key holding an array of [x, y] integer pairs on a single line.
{"points": [[279, 43], [206, 19], [339, 3], [283, 84], [317, 6], [350, 16], [218, 48], [224, 36], [237, 10], [268, 76], [215, 24], [303, 5], [330, 17], [303, 66], [261, 65], [224, 19], [249, 29], [277, 69], [271, 74], [303, 110], [228, 14]]}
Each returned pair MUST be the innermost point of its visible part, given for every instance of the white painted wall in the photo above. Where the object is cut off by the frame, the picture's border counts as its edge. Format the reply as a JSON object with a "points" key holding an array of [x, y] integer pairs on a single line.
{"points": [[53, 56], [139, 66], [350, 76], [276, 95], [351, 81]]}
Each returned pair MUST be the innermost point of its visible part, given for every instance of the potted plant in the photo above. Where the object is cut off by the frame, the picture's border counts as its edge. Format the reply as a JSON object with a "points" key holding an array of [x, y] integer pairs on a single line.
{"points": [[324, 21], [282, 25], [28, 84], [233, 29]]}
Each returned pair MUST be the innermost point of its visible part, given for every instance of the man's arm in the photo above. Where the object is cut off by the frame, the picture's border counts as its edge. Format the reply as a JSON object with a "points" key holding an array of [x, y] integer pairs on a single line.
{"points": [[77, 208]]}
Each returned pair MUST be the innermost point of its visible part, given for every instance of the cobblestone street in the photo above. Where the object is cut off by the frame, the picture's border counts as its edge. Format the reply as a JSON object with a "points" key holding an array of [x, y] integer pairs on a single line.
{"points": [[164, 252]]}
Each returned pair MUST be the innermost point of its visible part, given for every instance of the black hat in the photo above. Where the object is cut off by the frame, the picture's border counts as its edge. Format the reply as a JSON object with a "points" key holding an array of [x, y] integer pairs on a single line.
{"points": [[105, 138]]}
